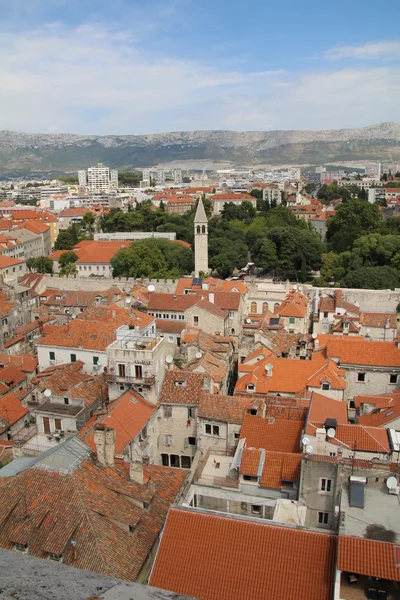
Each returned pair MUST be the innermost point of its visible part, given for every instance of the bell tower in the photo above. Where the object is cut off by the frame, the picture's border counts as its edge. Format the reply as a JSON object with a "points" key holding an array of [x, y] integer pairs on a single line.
{"points": [[200, 240]]}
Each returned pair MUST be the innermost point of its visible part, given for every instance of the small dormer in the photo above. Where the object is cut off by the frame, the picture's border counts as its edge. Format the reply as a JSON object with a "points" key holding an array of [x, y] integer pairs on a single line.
{"points": [[325, 385], [250, 387]]}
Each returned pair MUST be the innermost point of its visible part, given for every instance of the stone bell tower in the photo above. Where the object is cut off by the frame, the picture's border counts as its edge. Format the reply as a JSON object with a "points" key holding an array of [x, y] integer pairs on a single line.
{"points": [[200, 240]]}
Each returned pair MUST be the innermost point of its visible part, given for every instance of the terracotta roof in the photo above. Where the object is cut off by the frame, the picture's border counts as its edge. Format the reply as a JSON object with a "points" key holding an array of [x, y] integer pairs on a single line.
{"points": [[303, 374], [222, 300], [386, 411], [211, 308], [232, 197], [74, 212], [294, 305], [94, 329], [34, 226], [11, 411], [11, 375], [357, 437], [215, 366], [70, 380], [369, 557], [381, 401], [279, 435], [186, 283], [170, 326], [5, 308], [322, 408], [182, 387], [7, 261], [358, 351], [128, 414], [280, 467], [226, 558], [92, 505], [250, 461], [369, 319], [229, 409], [25, 362]]}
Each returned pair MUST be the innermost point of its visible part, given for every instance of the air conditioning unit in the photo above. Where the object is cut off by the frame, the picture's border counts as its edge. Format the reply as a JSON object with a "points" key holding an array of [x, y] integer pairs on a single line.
{"points": [[52, 362], [96, 367]]}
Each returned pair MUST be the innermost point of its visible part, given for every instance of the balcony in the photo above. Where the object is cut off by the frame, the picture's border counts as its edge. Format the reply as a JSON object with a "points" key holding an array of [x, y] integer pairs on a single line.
{"points": [[133, 379]]}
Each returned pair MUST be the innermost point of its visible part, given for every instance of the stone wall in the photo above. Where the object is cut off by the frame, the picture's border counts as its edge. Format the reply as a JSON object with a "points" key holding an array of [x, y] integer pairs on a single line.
{"points": [[103, 283]]}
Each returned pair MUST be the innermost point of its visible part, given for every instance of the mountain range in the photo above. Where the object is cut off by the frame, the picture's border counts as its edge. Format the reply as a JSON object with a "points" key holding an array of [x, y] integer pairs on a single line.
{"points": [[31, 152]]}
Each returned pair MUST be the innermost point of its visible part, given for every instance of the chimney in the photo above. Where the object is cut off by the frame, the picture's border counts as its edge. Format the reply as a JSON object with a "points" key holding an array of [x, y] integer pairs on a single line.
{"points": [[136, 472], [211, 297], [268, 369], [320, 434], [104, 439]]}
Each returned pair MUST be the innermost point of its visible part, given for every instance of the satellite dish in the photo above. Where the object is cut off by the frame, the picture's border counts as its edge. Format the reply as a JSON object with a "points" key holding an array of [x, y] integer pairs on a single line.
{"points": [[47, 393], [305, 441], [151, 288], [300, 288], [314, 336], [391, 483], [309, 449], [74, 316], [295, 287], [128, 300], [169, 359], [198, 354], [331, 432], [248, 320]]}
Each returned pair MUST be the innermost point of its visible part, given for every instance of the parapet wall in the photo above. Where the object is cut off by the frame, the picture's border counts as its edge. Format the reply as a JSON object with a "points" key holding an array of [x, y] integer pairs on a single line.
{"points": [[103, 283]]}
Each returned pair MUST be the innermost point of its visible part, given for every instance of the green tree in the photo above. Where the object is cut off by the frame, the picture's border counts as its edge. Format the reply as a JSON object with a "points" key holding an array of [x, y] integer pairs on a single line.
{"points": [[264, 254], [88, 223], [30, 264], [353, 219], [68, 269], [66, 261], [374, 278], [64, 241], [310, 188], [43, 264]]}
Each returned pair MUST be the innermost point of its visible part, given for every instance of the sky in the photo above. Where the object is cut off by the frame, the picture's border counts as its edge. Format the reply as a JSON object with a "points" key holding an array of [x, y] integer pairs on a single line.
{"points": [[151, 66]]}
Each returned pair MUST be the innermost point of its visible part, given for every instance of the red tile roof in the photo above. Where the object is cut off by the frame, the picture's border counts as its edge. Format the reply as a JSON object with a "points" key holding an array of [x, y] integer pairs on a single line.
{"points": [[278, 435], [92, 505], [11, 375], [370, 319], [358, 351], [322, 408], [229, 409], [128, 414], [170, 326], [182, 387], [357, 437], [7, 261], [25, 362], [232, 197], [294, 305], [222, 558], [368, 557], [11, 411]]}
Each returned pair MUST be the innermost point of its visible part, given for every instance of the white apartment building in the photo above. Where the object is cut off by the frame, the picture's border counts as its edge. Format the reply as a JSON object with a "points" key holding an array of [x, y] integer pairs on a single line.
{"points": [[178, 178], [272, 194], [101, 179], [160, 177]]}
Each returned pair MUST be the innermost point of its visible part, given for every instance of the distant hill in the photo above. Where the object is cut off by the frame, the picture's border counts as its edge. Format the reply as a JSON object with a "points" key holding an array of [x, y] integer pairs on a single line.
{"points": [[26, 153]]}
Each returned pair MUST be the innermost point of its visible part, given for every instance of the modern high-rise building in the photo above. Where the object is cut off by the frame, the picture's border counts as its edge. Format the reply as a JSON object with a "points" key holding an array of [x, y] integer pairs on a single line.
{"points": [[82, 178], [99, 178], [114, 179], [146, 178], [178, 179], [160, 177]]}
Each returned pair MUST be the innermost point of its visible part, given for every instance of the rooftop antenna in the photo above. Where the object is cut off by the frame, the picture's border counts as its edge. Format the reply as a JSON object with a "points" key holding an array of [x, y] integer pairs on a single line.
{"points": [[391, 483]]}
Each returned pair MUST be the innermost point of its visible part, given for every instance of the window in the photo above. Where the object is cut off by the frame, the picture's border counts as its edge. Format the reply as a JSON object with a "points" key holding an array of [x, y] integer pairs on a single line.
{"points": [[174, 458], [253, 307], [167, 412], [52, 556], [143, 434], [191, 413], [4, 321], [192, 441], [332, 453], [253, 411], [393, 379], [168, 440], [52, 355], [95, 360], [325, 485], [323, 518], [121, 370], [131, 528], [186, 462], [326, 386], [58, 424], [212, 429], [21, 547], [255, 510], [73, 357], [236, 436], [195, 321], [250, 387], [292, 320], [346, 325], [66, 400], [165, 460], [249, 478], [231, 314], [361, 377]]}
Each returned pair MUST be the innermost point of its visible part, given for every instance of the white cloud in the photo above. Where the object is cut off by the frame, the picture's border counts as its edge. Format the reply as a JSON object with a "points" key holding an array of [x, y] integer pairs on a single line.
{"points": [[95, 80], [370, 51]]}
